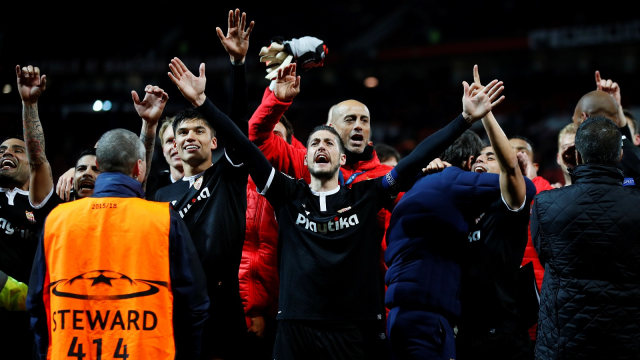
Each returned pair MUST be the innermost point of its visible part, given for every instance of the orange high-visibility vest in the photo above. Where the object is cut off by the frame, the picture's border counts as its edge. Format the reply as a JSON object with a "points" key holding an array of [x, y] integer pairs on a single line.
{"points": [[107, 290]]}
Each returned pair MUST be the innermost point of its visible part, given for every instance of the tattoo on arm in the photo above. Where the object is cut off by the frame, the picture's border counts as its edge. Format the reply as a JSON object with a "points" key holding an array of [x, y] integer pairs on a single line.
{"points": [[33, 135], [149, 142]]}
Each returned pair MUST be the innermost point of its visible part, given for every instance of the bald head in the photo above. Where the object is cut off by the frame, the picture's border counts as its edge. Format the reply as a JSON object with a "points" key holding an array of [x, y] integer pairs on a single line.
{"points": [[351, 120], [596, 103]]}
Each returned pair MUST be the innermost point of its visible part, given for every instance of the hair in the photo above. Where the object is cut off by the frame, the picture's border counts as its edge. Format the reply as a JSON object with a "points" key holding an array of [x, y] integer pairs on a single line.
{"points": [[570, 128], [287, 126], [632, 119], [468, 144], [599, 141], [85, 152], [118, 150], [331, 130], [190, 114], [385, 152], [166, 122]]}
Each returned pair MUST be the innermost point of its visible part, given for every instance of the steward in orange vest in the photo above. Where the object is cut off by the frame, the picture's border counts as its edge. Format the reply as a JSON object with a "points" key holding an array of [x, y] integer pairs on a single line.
{"points": [[116, 276]]}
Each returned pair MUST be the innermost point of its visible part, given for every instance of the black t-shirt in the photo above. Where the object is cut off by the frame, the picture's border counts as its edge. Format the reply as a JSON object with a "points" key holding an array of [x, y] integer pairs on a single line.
{"points": [[329, 252], [20, 226], [213, 205], [492, 262]]}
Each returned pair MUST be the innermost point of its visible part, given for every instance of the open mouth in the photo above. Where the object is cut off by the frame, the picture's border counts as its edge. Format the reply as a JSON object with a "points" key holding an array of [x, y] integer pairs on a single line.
{"points": [[86, 185], [8, 164], [479, 168], [191, 148], [357, 138], [322, 159]]}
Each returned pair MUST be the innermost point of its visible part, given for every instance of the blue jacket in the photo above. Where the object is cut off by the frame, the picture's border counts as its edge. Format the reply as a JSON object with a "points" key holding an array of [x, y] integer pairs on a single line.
{"points": [[428, 227]]}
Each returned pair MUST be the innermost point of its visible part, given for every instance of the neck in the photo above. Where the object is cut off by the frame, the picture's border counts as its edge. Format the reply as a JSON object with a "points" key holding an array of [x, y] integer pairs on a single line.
{"points": [[176, 174], [190, 170], [320, 185], [10, 184], [567, 178], [354, 157]]}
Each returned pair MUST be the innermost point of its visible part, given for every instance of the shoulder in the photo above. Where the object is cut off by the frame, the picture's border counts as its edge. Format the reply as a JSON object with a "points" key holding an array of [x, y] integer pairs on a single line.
{"points": [[171, 191]]}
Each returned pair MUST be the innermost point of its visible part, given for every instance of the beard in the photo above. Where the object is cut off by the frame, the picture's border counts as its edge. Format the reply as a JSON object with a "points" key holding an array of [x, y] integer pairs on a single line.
{"points": [[11, 179], [324, 174]]}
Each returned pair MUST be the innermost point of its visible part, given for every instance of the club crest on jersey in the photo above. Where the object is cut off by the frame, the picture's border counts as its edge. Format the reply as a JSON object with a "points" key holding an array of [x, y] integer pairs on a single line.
{"points": [[338, 223], [30, 217], [198, 183]]}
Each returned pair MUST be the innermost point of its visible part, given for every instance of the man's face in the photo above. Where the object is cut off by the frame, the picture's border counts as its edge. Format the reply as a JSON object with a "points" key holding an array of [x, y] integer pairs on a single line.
{"points": [[520, 145], [351, 119], [281, 131], [194, 141], [566, 157], [85, 176], [169, 149], [14, 164], [323, 155], [486, 162]]}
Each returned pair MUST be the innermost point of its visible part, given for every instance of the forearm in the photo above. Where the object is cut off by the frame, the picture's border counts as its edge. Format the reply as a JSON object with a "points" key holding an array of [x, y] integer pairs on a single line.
{"points": [[430, 148], [265, 118], [41, 180], [258, 166], [512, 184], [239, 98], [148, 137]]}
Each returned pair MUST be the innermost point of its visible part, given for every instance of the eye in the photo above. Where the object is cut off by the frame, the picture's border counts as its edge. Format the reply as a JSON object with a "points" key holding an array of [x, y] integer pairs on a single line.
{"points": [[200, 131]]}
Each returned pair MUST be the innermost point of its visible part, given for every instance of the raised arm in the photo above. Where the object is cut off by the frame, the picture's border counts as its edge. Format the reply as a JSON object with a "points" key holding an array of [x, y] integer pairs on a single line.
{"points": [[31, 85], [476, 103], [192, 88], [150, 110], [512, 185]]}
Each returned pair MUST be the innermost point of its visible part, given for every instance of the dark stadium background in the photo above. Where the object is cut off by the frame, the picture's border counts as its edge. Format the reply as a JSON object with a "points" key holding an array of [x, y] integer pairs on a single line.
{"points": [[420, 51]]}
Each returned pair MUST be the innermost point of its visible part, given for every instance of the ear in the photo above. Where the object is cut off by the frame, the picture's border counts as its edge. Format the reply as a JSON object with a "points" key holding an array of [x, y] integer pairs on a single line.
{"points": [[306, 163], [139, 170], [583, 117], [214, 143], [621, 154], [343, 159], [466, 165], [578, 158], [537, 166]]}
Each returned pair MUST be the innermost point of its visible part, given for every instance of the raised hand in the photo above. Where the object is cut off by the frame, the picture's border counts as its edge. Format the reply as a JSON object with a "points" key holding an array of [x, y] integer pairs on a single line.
{"points": [[609, 86], [236, 42], [30, 83], [287, 84], [190, 86], [151, 107], [477, 101], [65, 184]]}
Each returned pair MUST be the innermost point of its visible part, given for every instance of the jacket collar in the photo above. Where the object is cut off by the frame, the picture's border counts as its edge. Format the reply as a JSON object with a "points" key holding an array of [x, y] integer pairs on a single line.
{"points": [[596, 173], [367, 157], [112, 184]]}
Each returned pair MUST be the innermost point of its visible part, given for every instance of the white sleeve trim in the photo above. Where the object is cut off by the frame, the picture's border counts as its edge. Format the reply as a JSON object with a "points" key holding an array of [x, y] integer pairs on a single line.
{"points": [[509, 207], [266, 186], [44, 202], [231, 161]]}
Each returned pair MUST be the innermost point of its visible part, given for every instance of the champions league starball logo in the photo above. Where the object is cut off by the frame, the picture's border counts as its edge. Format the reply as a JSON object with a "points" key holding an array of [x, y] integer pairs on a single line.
{"points": [[105, 285]]}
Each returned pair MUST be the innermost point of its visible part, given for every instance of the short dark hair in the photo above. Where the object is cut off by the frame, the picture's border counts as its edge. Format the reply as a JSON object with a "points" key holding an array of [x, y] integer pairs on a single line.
{"points": [[331, 130], [85, 152], [468, 144], [599, 141], [190, 114], [385, 152]]}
